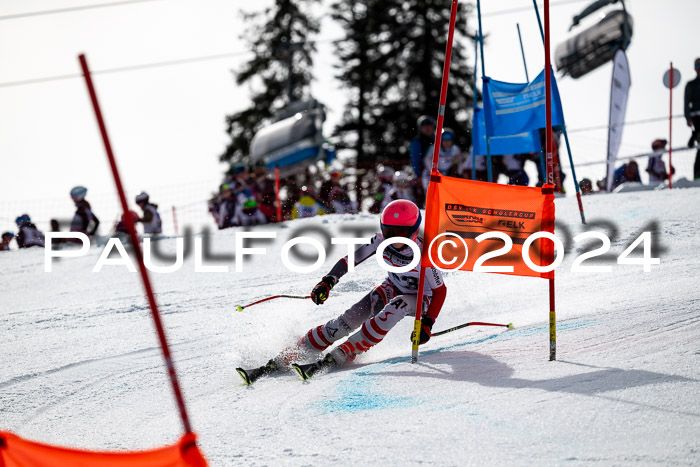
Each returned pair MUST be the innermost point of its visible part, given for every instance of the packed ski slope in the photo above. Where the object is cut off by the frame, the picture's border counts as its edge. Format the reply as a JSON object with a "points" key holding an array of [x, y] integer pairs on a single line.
{"points": [[82, 368]]}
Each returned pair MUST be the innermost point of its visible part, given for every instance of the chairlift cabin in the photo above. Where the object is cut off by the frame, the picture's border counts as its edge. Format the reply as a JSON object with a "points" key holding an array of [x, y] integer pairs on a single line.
{"points": [[596, 33], [294, 141]]}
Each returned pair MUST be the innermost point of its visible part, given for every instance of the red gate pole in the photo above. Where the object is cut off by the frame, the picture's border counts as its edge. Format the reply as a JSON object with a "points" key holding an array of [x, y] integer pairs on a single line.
{"points": [[434, 173], [550, 171], [175, 221], [137, 249], [670, 130], [277, 194]]}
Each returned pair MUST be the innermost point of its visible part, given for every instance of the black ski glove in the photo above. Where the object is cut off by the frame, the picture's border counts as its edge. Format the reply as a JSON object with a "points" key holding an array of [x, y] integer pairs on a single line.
{"points": [[426, 326], [320, 293]]}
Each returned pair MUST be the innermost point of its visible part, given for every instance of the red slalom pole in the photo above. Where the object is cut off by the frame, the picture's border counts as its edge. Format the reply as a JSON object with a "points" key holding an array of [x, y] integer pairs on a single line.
{"points": [[670, 130], [175, 221], [137, 249], [472, 323], [434, 174], [550, 171], [300, 297], [277, 194]]}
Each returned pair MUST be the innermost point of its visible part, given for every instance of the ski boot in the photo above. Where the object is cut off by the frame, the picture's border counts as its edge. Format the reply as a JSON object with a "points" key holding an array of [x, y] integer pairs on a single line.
{"points": [[252, 375], [308, 370]]}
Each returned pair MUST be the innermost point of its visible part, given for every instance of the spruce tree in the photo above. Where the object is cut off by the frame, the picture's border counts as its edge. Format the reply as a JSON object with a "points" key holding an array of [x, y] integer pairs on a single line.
{"points": [[280, 39], [391, 61]]}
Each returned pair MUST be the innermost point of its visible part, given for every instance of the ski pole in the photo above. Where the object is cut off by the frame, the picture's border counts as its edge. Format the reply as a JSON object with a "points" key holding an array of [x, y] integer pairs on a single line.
{"points": [[240, 307], [473, 323]]}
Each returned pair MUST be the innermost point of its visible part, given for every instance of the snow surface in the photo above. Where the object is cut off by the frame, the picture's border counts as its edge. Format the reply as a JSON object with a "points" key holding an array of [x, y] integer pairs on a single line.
{"points": [[82, 367]]}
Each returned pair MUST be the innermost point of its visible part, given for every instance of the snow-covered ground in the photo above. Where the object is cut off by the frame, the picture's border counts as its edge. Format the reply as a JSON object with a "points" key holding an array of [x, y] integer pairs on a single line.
{"points": [[81, 366]]}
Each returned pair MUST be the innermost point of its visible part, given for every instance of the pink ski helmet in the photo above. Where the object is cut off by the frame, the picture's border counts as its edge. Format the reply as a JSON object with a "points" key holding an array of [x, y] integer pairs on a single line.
{"points": [[401, 218]]}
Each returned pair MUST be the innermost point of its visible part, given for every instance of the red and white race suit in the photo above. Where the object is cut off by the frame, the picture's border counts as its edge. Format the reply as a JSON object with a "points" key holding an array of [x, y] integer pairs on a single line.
{"points": [[377, 312]]}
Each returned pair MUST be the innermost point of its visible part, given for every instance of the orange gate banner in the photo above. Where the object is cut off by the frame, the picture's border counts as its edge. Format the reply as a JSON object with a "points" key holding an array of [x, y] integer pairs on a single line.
{"points": [[459, 210], [18, 452]]}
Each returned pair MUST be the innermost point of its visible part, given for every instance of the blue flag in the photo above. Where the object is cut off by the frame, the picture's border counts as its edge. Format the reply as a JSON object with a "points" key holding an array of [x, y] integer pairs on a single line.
{"points": [[525, 142], [514, 108]]}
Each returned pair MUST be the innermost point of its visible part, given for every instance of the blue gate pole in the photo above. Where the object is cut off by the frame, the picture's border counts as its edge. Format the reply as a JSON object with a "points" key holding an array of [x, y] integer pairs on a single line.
{"points": [[483, 76], [477, 39], [539, 21]]}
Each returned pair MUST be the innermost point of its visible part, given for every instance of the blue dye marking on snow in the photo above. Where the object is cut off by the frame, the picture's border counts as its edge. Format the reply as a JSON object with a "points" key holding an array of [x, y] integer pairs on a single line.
{"points": [[356, 394]]}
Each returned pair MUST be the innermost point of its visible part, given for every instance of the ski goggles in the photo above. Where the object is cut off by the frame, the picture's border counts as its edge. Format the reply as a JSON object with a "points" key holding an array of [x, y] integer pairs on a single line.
{"points": [[410, 231]]}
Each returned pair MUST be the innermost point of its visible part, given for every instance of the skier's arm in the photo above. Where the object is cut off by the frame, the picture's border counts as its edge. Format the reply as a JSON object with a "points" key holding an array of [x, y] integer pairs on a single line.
{"points": [[320, 293], [361, 254], [434, 280]]}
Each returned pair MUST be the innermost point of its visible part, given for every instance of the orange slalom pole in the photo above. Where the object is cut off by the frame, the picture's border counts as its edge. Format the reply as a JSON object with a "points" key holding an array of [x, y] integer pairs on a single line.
{"points": [[434, 173], [137, 250]]}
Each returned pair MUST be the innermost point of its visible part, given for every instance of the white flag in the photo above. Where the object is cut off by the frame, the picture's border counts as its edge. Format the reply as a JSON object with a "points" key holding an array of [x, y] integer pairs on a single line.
{"points": [[619, 91]]}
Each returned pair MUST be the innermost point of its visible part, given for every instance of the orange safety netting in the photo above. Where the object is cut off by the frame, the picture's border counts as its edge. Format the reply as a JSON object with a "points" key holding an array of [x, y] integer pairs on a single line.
{"points": [[18, 452], [468, 208]]}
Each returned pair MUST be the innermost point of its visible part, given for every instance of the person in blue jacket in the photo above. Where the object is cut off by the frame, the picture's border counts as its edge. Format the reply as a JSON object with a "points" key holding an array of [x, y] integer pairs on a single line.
{"points": [[423, 140]]}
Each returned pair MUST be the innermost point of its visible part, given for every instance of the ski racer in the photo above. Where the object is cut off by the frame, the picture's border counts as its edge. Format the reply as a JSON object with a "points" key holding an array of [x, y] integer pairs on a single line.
{"points": [[83, 214], [370, 319], [151, 218]]}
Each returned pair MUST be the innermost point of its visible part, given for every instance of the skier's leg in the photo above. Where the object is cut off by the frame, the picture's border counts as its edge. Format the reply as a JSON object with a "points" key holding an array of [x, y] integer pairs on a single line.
{"points": [[374, 329], [318, 339]]}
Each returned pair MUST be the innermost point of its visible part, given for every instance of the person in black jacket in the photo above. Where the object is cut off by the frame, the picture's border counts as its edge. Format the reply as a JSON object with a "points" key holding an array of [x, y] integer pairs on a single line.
{"points": [[84, 220], [28, 234], [691, 110]]}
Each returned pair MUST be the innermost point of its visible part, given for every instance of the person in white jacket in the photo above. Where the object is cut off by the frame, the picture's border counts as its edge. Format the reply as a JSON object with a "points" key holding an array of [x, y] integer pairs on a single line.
{"points": [[449, 159]]}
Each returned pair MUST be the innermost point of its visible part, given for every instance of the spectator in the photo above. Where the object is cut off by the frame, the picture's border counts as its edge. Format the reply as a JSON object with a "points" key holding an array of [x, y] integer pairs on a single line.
{"points": [[382, 196], [227, 206], [324, 193], [656, 168], [515, 165], [403, 187], [308, 205], [628, 172], [83, 213], [6, 239], [449, 159], [338, 197], [465, 169], [28, 234], [266, 197], [151, 218], [421, 143], [121, 227], [586, 186], [247, 212], [691, 110]]}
